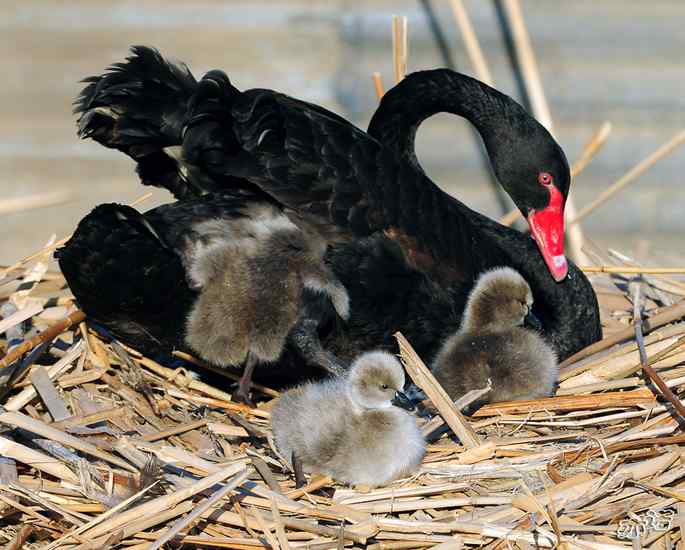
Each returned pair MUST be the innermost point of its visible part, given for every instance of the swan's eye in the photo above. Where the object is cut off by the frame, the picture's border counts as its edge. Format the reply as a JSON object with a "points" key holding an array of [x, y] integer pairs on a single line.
{"points": [[545, 178], [384, 386]]}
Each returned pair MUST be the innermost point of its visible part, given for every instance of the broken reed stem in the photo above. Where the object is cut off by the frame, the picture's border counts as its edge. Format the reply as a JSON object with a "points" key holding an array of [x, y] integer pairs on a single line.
{"points": [[378, 85], [185, 521], [668, 315], [630, 176], [464, 401], [399, 46], [646, 367], [222, 372], [425, 380], [55, 330], [164, 502], [470, 39], [642, 396], [99, 519], [629, 269]]}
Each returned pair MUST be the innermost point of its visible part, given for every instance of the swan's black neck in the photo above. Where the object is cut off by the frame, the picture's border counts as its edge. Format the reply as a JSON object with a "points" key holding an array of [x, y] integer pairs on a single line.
{"points": [[425, 218], [462, 242], [426, 93]]}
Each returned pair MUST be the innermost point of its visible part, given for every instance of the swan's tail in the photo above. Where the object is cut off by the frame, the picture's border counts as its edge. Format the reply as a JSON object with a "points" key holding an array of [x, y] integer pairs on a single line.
{"points": [[140, 107], [122, 275]]}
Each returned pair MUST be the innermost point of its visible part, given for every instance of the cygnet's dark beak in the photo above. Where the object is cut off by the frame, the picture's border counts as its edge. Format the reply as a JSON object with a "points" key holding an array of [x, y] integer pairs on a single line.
{"points": [[414, 393], [401, 400], [531, 321]]}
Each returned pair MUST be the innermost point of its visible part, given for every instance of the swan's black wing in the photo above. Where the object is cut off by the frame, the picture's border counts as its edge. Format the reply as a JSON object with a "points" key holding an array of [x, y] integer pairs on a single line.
{"points": [[329, 171], [305, 157], [139, 107]]}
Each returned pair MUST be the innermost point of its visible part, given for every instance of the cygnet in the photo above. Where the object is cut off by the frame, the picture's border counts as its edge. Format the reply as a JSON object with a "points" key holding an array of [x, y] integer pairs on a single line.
{"points": [[493, 345], [352, 428]]}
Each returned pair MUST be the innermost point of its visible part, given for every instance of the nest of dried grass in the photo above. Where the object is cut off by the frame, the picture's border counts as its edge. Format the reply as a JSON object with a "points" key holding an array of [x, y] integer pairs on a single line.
{"points": [[103, 447]]}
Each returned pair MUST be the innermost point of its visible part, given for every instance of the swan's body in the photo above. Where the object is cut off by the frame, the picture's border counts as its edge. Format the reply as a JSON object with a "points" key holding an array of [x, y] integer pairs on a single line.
{"points": [[492, 346], [407, 253], [348, 427]]}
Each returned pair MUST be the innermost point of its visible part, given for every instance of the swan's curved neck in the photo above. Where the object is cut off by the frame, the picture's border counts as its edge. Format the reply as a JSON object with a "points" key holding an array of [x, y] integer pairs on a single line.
{"points": [[426, 93]]}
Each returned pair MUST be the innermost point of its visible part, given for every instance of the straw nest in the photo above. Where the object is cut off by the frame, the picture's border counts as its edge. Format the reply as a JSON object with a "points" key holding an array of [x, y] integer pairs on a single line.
{"points": [[102, 447]]}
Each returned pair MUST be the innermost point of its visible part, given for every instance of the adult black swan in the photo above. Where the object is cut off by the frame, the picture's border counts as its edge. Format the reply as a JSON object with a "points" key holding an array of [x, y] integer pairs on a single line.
{"points": [[407, 252]]}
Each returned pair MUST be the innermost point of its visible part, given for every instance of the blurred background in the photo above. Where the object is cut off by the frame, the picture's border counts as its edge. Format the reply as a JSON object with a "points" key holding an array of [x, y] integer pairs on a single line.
{"points": [[619, 61]]}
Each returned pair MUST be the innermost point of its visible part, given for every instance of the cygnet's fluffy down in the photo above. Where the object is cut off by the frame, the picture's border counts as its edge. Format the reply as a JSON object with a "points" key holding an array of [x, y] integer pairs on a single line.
{"points": [[251, 275], [493, 345], [351, 428]]}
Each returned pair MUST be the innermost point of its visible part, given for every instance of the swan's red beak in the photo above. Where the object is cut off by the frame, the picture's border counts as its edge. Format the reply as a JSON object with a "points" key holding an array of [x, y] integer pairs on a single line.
{"points": [[547, 230]]}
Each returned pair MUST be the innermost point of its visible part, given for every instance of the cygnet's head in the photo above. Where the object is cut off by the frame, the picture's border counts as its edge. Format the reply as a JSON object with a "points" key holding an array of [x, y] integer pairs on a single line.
{"points": [[376, 380], [500, 300]]}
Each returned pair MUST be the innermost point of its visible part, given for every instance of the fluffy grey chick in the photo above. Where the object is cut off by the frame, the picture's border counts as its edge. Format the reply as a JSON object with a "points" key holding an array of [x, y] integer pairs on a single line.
{"points": [[251, 275], [351, 428], [492, 344]]}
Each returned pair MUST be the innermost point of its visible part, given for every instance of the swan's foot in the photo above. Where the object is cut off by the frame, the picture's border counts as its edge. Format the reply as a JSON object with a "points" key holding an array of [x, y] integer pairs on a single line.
{"points": [[242, 393], [300, 480], [305, 339]]}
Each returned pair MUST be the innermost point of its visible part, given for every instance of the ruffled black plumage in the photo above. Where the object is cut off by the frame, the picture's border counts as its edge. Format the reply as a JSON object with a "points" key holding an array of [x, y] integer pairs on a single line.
{"points": [[365, 192]]}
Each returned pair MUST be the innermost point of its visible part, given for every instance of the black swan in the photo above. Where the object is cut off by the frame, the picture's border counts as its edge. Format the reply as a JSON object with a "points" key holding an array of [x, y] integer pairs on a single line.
{"points": [[407, 252]]}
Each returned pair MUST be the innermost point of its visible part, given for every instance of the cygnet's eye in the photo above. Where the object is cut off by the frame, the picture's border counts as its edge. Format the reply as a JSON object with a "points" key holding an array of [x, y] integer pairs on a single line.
{"points": [[384, 386]]}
